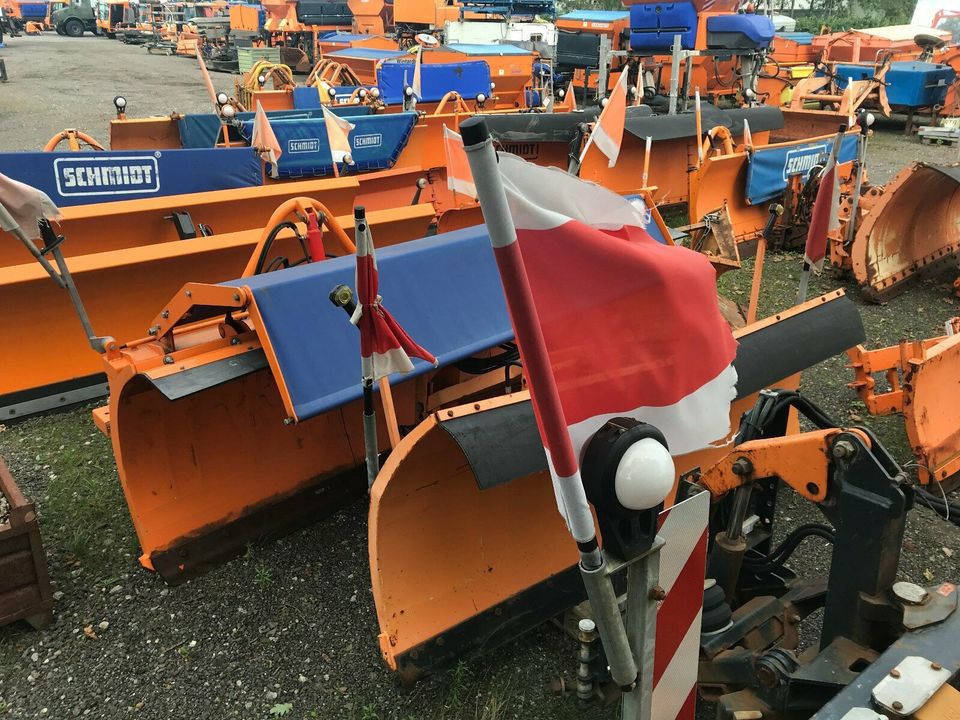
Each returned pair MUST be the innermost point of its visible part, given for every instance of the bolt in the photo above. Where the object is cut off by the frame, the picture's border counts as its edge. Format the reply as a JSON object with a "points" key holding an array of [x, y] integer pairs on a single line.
{"points": [[288, 421], [742, 467], [236, 297], [153, 330], [936, 666], [894, 673], [189, 293], [794, 619], [234, 340], [165, 314], [843, 449], [897, 705], [657, 593], [168, 360]]}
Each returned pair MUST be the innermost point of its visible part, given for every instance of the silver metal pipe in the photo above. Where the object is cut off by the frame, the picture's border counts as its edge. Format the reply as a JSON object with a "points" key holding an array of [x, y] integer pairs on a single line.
{"points": [[643, 592], [741, 501], [606, 614], [674, 75]]}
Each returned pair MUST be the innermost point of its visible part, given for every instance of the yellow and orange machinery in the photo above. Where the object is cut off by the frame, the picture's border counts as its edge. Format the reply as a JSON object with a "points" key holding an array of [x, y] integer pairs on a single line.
{"points": [[114, 14], [579, 34], [371, 17], [412, 17], [151, 245], [918, 381]]}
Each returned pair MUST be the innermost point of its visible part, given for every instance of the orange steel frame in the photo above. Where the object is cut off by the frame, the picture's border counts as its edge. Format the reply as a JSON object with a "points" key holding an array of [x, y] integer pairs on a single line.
{"points": [[123, 287], [452, 581]]}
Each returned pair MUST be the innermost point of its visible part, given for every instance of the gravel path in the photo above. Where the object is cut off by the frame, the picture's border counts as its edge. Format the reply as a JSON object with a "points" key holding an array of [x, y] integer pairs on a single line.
{"points": [[289, 630]]}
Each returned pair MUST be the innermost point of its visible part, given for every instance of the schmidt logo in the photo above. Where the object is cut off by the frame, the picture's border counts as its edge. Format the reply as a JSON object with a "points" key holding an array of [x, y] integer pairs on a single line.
{"points": [[800, 161], [106, 176], [305, 145], [367, 141]]}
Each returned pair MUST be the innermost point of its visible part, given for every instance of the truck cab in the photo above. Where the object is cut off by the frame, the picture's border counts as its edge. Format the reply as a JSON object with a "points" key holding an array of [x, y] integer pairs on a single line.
{"points": [[74, 18]]}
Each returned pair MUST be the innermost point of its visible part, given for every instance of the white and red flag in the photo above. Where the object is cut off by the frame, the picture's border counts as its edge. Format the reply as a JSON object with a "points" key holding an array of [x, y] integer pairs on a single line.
{"points": [[459, 176], [265, 140], [607, 132], [25, 206], [632, 326], [417, 83], [825, 216], [385, 347], [338, 135]]}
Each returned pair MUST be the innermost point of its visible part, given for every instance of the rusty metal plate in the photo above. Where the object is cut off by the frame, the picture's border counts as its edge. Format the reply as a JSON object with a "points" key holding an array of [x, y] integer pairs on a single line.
{"points": [[909, 686]]}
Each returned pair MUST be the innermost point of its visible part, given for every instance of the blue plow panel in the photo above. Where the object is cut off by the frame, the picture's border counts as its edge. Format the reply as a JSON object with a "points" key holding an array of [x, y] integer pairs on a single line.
{"points": [[444, 290], [653, 25], [82, 178], [376, 142], [200, 130], [467, 78], [770, 169]]}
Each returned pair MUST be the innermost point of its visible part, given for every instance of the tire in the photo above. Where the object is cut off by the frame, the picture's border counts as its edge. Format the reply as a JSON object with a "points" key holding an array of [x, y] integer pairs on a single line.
{"points": [[73, 28], [95, 29]]}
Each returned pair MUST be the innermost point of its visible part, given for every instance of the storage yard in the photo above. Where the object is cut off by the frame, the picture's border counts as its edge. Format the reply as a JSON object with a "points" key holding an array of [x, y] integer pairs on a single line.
{"points": [[286, 623]]}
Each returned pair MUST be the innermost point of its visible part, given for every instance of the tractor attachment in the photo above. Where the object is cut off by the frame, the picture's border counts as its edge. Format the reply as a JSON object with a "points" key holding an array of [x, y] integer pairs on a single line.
{"points": [[268, 361], [467, 549], [909, 228], [921, 377]]}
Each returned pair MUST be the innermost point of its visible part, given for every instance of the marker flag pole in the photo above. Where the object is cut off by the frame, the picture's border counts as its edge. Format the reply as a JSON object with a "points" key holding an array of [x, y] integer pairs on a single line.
{"points": [[536, 363]]}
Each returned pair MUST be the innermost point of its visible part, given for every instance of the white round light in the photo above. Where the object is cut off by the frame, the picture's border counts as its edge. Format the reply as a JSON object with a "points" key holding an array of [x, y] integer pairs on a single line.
{"points": [[348, 159], [120, 102], [375, 92], [493, 86], [603, 102], [228, 111], [332, 91], [750, 94], [481, 98], [870, 119], [632, 91], [262, 79], [645, 475], [561, 93], [408, 91], [362, 93], [222, 98]]}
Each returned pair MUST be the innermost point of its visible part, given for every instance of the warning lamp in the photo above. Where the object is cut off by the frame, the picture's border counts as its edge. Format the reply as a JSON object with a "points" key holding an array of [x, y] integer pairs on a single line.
{"points": [[228, 111], [493, 86], [261, 80], [375, 93], [362, 93], [604, 101], [561, 93], [865, 119], [627, 474], [408, 91], [332, 92], [222, 98], [481, 99], [120, 103]]}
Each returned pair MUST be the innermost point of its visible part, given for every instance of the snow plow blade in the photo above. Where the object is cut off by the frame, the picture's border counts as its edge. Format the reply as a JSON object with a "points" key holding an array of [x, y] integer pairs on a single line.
{"points": [[911, 229], [467, 549], [921, 377], [241, 415]]}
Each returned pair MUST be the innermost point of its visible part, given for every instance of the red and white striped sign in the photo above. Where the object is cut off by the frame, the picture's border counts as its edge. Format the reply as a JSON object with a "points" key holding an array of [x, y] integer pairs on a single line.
{"points": [[683, 562]]}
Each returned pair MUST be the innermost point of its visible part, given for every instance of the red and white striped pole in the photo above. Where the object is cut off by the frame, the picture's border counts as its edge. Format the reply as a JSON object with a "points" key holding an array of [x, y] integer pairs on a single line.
{"points": [[564, 465]]}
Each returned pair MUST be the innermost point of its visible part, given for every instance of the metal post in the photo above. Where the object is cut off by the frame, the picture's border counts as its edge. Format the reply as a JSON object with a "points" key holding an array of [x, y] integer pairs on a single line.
{"points": [[603, 79], [674, 74], [858, 184], [643, 593], [687, 72]]}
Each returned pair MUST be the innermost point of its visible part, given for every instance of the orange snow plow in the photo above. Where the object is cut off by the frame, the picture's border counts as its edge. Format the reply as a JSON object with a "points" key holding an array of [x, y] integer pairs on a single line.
{"points": [[467, 548], [909, 228], [920, 378]]}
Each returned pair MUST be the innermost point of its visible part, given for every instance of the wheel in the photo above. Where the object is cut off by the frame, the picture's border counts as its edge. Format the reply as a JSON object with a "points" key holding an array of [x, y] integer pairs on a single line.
{"points": [[73, 27], [59, 29], [96, 30]]}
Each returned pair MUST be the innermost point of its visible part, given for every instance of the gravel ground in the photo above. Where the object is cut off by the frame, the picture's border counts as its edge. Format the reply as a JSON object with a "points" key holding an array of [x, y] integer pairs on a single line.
{"points": [[289, 630]]}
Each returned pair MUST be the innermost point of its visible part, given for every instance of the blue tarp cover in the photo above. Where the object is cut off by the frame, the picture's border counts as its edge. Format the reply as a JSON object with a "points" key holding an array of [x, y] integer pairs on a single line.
{"points": [[444, 290], [475, 49], [365, 54], [596, 15], [770, 168], [200, 130], [436, 79], [375, 141], [82, 178], [801, 38]]}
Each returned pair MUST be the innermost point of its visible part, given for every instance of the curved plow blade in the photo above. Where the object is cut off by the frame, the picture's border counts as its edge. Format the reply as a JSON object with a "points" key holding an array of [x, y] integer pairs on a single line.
{"points": [[912, 230]]}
